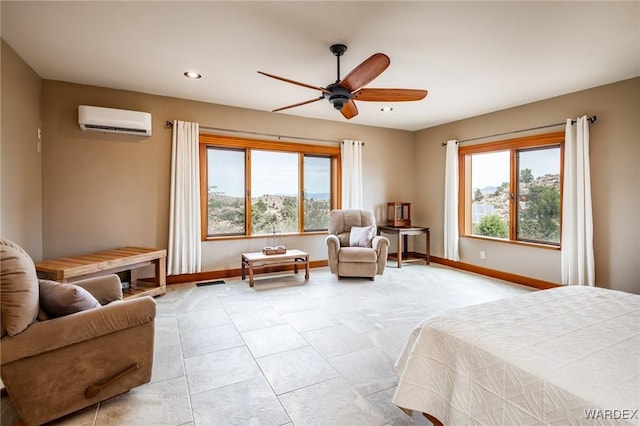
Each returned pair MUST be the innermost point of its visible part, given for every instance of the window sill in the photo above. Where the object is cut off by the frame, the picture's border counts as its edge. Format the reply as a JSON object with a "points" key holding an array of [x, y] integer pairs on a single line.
{"points": [[518, 243], [251, 237]]}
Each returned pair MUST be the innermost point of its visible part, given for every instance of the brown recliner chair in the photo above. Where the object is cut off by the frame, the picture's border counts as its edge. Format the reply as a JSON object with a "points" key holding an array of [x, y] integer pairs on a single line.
{"points": [[55, 366], [351, 255]]}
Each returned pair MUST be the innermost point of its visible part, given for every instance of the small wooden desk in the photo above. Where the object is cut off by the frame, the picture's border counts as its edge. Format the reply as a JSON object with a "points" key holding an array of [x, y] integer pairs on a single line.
{"points": [[130, 259], [402, 232], [259, 260]]}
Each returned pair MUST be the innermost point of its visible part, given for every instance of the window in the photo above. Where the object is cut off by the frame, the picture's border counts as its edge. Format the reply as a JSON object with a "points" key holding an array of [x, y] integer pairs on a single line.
{"points": [[317, 192], [225, 192], [538, 195], [511, 190], [259, 188], [274, 192]]}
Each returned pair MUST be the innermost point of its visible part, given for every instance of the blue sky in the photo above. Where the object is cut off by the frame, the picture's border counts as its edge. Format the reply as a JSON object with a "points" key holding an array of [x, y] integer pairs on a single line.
{"points": [[226, 171], [272, 172], [492, 169]]}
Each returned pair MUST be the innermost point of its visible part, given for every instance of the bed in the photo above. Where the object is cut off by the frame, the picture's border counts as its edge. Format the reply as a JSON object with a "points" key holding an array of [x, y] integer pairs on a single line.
{"points": [[568, 355]]}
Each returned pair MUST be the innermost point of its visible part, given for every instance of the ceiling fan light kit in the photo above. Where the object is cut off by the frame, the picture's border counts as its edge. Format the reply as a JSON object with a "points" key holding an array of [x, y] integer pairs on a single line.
{"points": [[343, 92], [338, 96]]}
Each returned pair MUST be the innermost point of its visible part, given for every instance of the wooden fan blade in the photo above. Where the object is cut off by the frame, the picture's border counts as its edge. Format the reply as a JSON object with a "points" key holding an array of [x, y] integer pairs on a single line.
{"points": [[390, 95], [364, 73], [349, 110], [322, 89], [298, 104]]}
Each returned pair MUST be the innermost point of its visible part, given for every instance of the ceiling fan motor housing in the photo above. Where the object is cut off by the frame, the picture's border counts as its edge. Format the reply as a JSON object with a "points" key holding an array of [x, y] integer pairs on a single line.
{"points": [[338, 96]]}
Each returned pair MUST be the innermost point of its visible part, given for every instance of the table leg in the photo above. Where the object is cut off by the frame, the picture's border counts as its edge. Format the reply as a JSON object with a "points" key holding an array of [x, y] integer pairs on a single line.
{"points": [[405, 246], [428, 249], [133, 276], [400, 250], [161, 272], [306, 267], [250, 274], [244, 270], [295, 266]]}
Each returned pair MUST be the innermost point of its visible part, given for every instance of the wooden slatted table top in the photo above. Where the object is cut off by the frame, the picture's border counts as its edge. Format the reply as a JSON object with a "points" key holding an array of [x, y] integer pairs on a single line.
{"points": [[74, 266]]}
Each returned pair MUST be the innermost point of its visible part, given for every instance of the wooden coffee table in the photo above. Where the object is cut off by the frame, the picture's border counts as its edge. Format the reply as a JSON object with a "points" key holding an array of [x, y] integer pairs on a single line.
{"points": [[259, 260]]}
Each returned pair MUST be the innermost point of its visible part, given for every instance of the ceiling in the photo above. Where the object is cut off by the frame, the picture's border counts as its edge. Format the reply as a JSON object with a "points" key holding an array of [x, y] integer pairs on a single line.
{"points": [[472, 57]]}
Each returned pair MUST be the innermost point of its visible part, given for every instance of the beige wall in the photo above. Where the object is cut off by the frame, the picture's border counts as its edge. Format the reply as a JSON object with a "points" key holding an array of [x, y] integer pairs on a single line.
{"points": [[21, 163], [105, 190], [615, 161]]}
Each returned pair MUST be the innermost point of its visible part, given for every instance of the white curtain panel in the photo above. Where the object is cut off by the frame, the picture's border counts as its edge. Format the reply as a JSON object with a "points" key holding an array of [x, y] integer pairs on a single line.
{"points": [[451, 237], [577, 258], [351, 152], [184, 252]]}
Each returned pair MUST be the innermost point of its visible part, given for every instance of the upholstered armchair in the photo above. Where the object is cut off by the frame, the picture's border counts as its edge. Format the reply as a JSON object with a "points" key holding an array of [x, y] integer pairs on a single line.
{"points": [[61, 349], [354, 249]]}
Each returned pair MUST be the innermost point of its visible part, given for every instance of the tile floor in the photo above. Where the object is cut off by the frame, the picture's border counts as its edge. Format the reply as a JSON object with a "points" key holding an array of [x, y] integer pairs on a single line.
{"points": [[286, 352]]}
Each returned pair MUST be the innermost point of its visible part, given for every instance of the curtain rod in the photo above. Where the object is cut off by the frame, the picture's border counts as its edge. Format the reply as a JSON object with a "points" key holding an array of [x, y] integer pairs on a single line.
{"points": [[168, 125], [591, 119]]}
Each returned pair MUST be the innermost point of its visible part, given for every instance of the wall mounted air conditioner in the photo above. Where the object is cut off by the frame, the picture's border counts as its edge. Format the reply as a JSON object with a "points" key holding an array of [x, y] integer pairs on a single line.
{"points": [[114, 120]]}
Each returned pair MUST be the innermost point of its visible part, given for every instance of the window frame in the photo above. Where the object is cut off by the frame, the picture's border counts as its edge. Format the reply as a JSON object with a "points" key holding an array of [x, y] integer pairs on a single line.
{"points": [[513, 146], [247, 145]]}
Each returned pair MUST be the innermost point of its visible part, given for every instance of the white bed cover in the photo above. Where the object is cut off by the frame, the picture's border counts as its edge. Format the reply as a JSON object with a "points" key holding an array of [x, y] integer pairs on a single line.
{"points": [[568, 355]]}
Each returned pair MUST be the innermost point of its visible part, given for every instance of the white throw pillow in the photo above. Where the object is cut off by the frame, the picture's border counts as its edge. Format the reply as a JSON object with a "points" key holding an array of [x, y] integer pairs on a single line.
{"points": [[361, 236]]}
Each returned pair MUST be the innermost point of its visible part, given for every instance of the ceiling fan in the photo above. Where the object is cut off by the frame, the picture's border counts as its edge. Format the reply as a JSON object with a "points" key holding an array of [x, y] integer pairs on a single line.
{"points": [[343, 92]]}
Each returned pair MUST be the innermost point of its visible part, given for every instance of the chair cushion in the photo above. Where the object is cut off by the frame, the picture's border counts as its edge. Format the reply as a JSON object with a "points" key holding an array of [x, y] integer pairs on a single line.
{"points": [[58, 299], [357, 254], [19, 289], [361, 236]]}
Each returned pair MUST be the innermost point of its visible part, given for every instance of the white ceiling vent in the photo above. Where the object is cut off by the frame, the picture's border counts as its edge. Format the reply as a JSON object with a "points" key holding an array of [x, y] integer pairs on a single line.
{"points": [[112, 120]]}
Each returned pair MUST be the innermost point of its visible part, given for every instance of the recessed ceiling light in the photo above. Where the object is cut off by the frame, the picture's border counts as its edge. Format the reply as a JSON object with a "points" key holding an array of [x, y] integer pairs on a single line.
{"points": [[386, 109], [192, 74]]}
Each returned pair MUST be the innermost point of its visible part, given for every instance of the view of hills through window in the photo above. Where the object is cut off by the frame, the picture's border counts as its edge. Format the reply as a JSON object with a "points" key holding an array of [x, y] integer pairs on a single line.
{"points": [[274, 192], [275, 200], [317, 193], [225, 195], [537, 197]]}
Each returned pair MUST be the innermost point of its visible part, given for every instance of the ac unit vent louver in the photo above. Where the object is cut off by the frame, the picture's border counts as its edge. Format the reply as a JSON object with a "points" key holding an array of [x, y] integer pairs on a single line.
{"points": [[114, 129]]}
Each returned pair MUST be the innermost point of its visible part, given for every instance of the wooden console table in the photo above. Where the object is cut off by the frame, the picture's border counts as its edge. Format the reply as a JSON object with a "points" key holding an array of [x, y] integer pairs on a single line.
{"points": [[259, 260], [73, 268], [403, 232]]}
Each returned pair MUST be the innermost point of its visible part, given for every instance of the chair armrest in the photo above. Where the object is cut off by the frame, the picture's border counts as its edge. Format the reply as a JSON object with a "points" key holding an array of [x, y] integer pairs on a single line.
{"points": [[105, 289], [381, 245], [56, 333], [333, 247]]}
